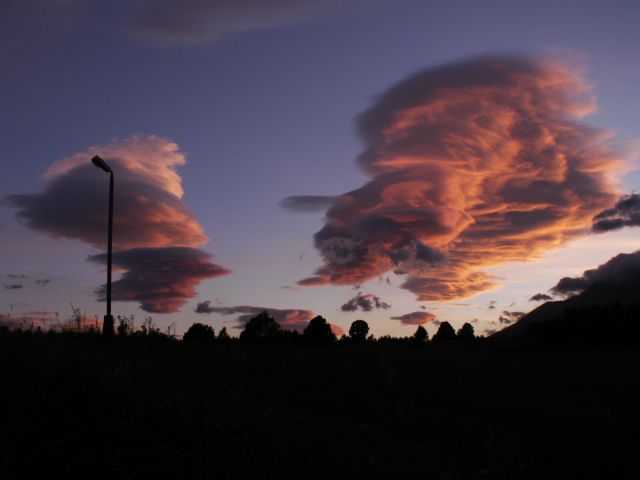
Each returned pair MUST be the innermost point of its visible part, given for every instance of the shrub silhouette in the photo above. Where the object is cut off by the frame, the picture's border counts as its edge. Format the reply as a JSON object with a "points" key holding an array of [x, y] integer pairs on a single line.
{"points": [[445, 333], [199, 333], [318, 332], [358, 331], [466, 332], [261, 329]]}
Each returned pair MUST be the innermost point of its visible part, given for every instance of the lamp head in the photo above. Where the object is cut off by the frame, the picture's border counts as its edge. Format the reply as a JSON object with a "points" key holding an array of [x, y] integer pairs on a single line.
{"points": [[100, 163]]}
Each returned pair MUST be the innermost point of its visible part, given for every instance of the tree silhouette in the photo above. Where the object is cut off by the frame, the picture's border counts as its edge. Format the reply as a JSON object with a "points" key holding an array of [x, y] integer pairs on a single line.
{"points": [[445, 333], [420, 337], [318, 332], [261, 329], [199, 333], [223, 336], [358, 331], [466, 332]]}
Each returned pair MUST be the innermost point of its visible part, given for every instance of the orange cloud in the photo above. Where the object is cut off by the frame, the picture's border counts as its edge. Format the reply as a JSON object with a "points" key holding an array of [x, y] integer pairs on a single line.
{"points": [[482, 162]]}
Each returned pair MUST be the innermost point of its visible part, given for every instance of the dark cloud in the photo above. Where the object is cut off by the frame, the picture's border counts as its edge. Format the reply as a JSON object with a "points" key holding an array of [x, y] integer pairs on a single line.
{"points": [[366, 303], [416, 318], [154, 233], [160, 279], [13, 286], [482, 162], [540, 297], [623, 269], [509, 317], [201, 21], [43, 282], [625, 213], [307, 203], [492, 305], [289, 319]]}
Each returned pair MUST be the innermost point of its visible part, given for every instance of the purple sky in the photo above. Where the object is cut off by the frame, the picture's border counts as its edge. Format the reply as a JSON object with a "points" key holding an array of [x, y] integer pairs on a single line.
{"points": [[255, 103]]}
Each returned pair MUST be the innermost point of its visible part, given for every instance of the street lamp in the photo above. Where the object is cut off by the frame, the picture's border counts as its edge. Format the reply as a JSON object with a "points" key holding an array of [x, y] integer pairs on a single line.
{"points": [[107, 324]]}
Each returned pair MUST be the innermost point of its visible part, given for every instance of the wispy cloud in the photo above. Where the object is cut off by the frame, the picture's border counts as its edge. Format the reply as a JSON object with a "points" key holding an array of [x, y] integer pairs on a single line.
{"points": [[366, 303], [540, 297], [625, 213], [507, 317], [205, 21], [483, 161]]}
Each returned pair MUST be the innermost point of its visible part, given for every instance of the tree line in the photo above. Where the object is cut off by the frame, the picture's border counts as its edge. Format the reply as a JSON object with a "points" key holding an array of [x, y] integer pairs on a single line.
{"points": [[264, 329]]}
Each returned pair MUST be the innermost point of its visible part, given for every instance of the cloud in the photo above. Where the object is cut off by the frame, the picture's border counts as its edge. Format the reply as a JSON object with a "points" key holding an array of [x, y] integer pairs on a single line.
{"points": [[483, 162], [153, 229], [289, 319], [540, 297], [366, 303], [623, 269], [307, 203], [13, 286], [161, 279], [625, 213], [202, 21], [43, 282], [148, 207], [510, 317], [416, 318]]}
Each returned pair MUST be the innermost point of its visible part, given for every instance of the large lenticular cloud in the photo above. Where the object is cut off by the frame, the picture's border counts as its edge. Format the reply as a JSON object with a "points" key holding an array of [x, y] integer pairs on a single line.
{"points": [[154, 233], [482, 162]]}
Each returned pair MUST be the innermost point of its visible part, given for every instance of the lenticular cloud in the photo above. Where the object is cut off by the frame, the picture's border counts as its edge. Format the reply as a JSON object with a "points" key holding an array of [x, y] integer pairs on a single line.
{"points": [[155, 235], [472, 164]]}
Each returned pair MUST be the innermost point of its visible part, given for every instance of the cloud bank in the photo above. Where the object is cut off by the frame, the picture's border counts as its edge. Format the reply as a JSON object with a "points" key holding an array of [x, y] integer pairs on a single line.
{"points": [[483, 162], [154, 233]]}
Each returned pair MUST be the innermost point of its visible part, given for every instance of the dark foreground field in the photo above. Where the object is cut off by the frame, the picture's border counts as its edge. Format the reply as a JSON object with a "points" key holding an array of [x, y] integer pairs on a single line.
{"points": [[79, 406]]}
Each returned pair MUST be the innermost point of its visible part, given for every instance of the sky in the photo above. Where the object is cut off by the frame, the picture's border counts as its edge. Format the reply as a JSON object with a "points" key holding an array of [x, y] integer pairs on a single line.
{"points": [[403, 162]]}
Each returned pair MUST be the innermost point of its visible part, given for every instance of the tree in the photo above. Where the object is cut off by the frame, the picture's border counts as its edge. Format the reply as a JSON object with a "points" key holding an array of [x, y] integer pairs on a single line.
{"points": [[421, 336], [261, 329], [358, 331], [466, 332], [223, 336], [199, 333], [318, 332], [445, 333]]}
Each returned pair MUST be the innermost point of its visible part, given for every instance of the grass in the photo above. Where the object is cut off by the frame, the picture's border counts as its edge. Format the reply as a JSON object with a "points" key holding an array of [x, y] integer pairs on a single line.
{"points": [[139, 407]]}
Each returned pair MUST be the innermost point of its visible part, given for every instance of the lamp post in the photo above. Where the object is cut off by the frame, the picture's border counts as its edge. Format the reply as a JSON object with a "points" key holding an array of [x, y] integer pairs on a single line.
{"points": [[107, 324]]}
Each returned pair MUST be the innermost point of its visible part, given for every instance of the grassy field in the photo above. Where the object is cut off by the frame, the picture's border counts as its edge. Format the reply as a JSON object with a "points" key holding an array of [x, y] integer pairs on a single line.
{"points": [[128, 408]]}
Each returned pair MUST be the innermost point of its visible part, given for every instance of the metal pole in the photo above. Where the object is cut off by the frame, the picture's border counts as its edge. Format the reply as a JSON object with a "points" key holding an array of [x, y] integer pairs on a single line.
{"points": [[107, 325]]}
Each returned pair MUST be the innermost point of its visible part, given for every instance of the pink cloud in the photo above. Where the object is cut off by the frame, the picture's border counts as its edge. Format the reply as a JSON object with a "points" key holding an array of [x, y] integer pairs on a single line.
{"points": [[472, 164]]}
